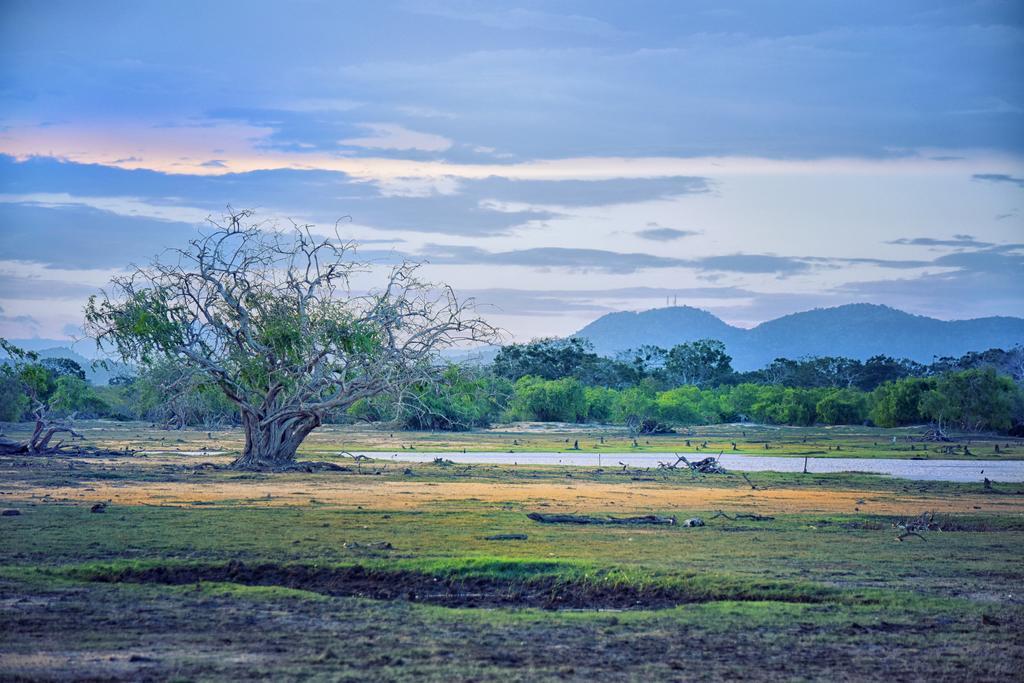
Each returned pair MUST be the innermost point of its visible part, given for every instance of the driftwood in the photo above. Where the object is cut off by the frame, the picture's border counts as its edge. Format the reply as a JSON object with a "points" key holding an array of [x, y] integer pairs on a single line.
{"points": [[936, 433], [912, 527], [708, 465], [743, 515], [585, 519], [46, 428], [12, 447]]}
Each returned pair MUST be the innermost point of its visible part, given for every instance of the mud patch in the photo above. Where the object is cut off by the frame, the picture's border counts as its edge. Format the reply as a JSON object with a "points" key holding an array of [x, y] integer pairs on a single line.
{"points": [[544, 591]]}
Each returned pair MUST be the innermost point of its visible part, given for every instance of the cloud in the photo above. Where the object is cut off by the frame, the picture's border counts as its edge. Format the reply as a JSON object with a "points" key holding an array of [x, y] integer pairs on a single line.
{"points": [[621, 262], [998, 178], [753, 263], [516, 18], [664, 234], [829, 88], [13, 326], [464, 206], [597, 301], [953, 295], [83, 237], [396, 137], [534, 81], [956, 241], [22, 320], [551, 257], [584, 192], [30, 287], [1007, 259], [984, 281], [318, 196]]}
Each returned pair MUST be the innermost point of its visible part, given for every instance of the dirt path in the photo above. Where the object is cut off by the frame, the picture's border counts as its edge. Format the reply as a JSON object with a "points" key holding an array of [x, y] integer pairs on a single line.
{"points": [[579, 496]]}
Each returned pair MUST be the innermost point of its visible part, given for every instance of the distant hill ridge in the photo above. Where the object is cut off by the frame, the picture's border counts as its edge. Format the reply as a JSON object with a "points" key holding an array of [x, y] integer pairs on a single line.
{"points": [[854, 330], [97, 375]]}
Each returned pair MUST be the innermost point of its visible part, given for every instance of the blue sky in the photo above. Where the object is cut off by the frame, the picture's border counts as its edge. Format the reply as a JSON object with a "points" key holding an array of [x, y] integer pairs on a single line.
{"points": [[556, 160]]}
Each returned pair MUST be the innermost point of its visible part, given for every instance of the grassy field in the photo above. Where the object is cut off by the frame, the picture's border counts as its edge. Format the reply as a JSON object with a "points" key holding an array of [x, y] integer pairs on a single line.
{"points": [[420, 572]]}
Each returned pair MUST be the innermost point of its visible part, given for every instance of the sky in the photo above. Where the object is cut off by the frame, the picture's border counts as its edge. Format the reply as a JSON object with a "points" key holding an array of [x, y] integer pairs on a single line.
{"points": [[554, 160]]}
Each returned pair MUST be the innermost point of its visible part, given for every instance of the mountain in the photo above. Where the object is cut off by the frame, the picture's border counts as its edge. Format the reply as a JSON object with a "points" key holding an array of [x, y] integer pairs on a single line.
{"points": [[84, 348], [479, 355], [97, 375], [855, 330]]}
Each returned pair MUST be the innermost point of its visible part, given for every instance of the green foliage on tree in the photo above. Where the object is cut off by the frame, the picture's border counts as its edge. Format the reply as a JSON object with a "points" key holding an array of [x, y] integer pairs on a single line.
{"points": [[557, 400], [13, 399], [684, 406], [898, 403], [842, 407], [700, 363], [601, 402], [638, 409], [73, 395], [973, 400]]}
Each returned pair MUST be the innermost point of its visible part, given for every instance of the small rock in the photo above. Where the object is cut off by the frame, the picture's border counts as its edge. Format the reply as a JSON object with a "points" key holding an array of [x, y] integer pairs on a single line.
{"points": [[10, 512], [693, 521]]}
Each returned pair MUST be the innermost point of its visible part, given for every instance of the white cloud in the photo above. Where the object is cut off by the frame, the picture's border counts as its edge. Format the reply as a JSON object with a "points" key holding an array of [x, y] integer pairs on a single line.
{"points": [[121, 206], [394, 136]]}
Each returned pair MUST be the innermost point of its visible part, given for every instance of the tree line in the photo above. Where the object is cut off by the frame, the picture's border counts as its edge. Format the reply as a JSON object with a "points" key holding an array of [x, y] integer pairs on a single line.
{"points": [[651, 390], [648, 390]]}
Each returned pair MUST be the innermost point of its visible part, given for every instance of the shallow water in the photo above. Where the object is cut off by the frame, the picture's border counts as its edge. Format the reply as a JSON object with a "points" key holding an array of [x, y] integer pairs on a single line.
{"points": [[923, 470]]}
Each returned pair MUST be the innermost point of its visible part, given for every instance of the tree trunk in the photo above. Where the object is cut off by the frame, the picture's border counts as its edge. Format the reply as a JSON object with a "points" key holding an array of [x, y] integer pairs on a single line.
{"points": [[273, 445]]}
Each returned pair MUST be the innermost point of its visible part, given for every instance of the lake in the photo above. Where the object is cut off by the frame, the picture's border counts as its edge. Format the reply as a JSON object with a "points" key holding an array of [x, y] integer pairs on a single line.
{"points": [[924, 470]]}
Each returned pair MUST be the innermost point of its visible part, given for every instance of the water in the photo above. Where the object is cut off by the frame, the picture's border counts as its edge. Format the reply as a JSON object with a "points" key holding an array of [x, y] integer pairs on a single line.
{"points": [[924, 470]]}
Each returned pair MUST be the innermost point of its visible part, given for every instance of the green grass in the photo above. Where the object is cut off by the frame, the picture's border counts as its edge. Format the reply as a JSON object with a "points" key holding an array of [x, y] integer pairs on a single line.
{"points": [[808, 596]]}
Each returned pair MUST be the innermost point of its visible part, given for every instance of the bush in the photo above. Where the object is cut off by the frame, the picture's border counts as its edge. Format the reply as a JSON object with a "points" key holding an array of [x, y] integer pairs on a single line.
{"points": [[897, 403], [600, 403], [13, 400], [973, 400], [842, 407], [557, 400]]}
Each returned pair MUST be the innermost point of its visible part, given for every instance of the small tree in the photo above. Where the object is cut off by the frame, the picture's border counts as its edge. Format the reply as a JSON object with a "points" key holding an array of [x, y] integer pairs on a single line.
{"points": [[269, 317], [51, 400]]}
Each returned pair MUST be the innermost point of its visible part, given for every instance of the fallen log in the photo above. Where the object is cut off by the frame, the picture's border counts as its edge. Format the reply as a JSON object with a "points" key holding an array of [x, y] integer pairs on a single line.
{"points": [[743, 515], [11, 447], [585, 519]]}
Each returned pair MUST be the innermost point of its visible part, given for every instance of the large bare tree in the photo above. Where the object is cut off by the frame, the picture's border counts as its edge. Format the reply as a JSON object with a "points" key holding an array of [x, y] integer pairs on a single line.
{"points": [[269, 316]]}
